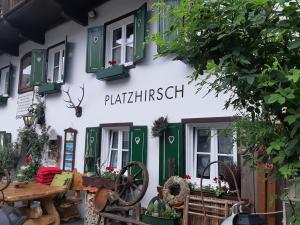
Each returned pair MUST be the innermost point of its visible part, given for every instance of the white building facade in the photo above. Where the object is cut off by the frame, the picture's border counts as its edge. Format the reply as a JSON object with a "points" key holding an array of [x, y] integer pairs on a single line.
{"points": [[151, 88]]}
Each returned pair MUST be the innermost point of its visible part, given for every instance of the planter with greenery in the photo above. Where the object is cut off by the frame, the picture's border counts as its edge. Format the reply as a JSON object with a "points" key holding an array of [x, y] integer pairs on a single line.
{"points": [[159, 213], [105, 179], [249, 50]]}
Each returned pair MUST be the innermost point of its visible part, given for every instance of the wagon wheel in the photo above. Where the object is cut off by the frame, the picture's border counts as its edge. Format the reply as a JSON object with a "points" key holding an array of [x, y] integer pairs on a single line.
{"points": [[132, 183]]}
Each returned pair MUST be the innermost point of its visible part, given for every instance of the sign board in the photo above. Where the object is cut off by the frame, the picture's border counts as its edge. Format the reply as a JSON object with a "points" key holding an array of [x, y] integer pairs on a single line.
{"points": [[24, 102]]}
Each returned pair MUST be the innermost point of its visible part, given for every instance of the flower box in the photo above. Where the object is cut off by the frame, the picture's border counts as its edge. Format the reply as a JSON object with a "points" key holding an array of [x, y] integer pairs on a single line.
{"points": [[3, 100], [112, 73], [49, 88], [98, 182], [159, 220]]}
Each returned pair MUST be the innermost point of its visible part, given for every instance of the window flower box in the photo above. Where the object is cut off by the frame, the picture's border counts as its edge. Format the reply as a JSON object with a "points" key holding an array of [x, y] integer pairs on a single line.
{"points": [[159, 220], [98, 182], [3, 100], [112, 73], [49, 88]]}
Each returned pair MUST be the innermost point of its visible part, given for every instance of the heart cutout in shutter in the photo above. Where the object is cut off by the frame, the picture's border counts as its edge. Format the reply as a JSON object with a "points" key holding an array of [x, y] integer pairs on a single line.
{"points": [[96, 39], [39, 59], [137, 140], [171, 139]]}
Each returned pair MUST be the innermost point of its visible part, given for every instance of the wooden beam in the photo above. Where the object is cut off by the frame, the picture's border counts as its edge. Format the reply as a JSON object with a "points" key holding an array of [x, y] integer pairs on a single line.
{"points": [[10, 48], [80, 16], [35, 35]]}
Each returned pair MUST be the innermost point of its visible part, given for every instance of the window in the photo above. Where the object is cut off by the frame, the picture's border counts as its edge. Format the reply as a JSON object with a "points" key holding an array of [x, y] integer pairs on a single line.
{"points": [[208, 143], [119, 42], [4, 81], [119, 144], [25, 70], [56, 59]]}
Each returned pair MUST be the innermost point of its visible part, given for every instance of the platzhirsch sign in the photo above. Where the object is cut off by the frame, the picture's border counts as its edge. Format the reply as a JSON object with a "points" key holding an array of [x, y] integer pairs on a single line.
{"points": [[150, 95]]}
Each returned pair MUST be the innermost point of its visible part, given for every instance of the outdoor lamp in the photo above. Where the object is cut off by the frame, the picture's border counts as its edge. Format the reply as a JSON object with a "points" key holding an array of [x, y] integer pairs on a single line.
{"points": [[28, 120]]}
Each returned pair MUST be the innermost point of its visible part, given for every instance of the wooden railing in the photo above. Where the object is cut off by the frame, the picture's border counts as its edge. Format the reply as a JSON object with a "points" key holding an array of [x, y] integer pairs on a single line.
{"points": [[6, 5]]}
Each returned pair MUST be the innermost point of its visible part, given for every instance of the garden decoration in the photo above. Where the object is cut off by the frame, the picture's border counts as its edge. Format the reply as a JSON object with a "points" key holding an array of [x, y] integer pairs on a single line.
{"points": [[130, 187], [159, 126], [175, 200], [78, 108]]}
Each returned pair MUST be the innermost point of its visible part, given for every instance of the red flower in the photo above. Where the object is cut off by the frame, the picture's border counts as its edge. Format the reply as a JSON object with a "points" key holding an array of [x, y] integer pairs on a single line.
{"points": [[187, 177], [110, 168], [215, 179], [27, 159], [112, 62]]}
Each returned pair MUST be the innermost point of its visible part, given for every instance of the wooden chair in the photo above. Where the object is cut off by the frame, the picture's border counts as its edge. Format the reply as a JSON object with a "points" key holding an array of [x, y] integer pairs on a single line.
{"points": [[68, 207]]}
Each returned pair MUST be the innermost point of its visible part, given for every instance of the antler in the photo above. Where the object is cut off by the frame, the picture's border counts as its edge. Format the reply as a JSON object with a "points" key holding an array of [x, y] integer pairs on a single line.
{"points": [[72, 105], [80, 100]]}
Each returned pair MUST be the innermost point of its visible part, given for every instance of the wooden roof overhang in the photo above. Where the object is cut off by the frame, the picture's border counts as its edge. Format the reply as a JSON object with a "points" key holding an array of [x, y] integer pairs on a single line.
{"points": [[30, 19]]}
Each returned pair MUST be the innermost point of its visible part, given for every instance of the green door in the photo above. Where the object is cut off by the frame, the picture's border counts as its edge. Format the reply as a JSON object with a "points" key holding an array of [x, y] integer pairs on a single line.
{"points": [[138, 144], [171, 154], [92, 149]]}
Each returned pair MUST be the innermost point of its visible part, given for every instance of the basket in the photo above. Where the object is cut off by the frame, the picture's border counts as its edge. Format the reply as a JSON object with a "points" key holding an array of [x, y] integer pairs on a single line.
{"points": [[159, 220]]}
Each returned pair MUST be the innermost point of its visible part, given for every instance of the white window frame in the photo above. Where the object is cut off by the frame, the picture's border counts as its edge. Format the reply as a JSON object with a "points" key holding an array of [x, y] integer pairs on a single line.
{"points": [[4, 81], [50, 70], [106, 145], [191, 159], [109, 40]]}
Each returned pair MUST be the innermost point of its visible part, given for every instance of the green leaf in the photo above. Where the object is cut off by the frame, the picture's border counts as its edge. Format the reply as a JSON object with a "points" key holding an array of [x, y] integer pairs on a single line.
{"points": [[291, 118], [294, 44], [275, 98]]}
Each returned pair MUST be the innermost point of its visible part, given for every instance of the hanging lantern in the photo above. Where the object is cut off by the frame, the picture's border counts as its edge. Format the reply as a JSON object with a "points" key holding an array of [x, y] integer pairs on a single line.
{"points": [[29, 118]]}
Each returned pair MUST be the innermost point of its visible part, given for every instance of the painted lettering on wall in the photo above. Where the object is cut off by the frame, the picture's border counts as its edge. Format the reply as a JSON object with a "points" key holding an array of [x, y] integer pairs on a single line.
{"points": [[150, 95]]}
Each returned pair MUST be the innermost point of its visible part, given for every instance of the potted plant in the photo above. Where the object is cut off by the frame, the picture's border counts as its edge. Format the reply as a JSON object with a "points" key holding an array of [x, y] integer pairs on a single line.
{"points": [[160, 213]]}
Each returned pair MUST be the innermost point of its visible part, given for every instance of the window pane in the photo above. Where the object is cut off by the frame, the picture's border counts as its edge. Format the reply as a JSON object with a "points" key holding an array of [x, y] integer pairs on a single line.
{"points": [[227, 159], [56, 59], [202, 162], [55, 74], [114, 159], [203, 143], [26, 70], [129, 33], [225, 142], [115, 139], [116, 55], [117, 37], [129, 53], [125, 140], [124, 158]]}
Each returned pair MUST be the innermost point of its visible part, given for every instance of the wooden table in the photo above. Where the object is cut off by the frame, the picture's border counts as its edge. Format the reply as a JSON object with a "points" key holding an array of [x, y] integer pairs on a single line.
{"points": [[36, 191]]}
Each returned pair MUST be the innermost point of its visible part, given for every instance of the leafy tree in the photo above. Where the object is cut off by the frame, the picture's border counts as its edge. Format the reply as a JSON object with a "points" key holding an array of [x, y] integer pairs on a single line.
{"points": [[249, 49]]}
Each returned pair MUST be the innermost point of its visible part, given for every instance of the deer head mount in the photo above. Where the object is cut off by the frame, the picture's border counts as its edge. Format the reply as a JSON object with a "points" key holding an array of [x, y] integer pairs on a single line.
{"points": [[78, 108]]}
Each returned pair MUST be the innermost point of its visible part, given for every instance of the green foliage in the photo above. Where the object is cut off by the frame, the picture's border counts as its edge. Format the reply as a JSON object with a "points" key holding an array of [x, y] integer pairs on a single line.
{"points": [[250, 50], [161, 209], [8, 157], [33, 142], [27, 172], [159, 126], [110, 173]]}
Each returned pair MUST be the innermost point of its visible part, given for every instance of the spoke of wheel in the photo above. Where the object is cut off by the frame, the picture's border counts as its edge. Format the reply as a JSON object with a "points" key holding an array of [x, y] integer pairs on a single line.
{"points": [[136, 187], [135, 175], [126, 196], [139, 181], [132, 193], [122, 192]]}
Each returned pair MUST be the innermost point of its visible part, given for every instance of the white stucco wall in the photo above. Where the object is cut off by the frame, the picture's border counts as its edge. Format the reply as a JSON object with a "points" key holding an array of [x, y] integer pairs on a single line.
{"points": [[150, 74]]}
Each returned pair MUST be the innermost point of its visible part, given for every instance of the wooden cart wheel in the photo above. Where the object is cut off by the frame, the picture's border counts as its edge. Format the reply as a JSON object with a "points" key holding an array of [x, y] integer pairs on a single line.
{"points": [[132, 183]]}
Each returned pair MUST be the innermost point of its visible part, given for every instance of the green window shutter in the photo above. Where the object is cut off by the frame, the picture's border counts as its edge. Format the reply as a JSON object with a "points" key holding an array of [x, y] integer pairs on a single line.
{"points": [[171, 154], [5, 77], [138, 137], [92, 149], [95, 49], [38, 66], [140, 23], [65, 60]]}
